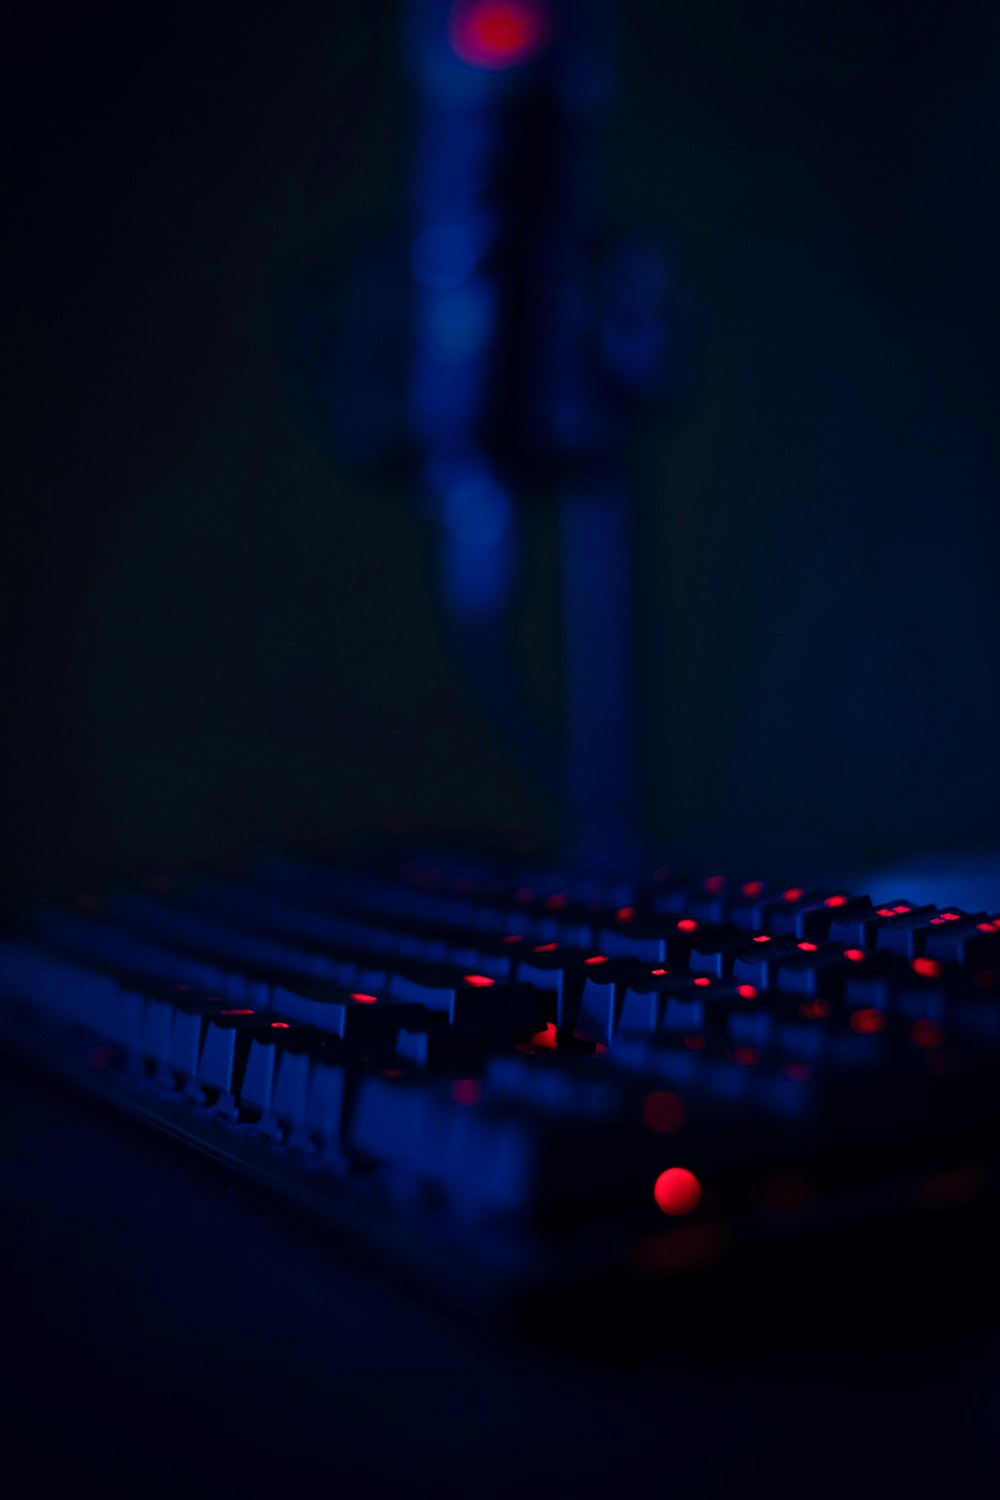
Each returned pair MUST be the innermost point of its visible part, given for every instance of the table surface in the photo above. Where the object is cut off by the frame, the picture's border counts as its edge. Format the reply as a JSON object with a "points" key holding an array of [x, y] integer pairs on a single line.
{"points": [[171, 1331]]}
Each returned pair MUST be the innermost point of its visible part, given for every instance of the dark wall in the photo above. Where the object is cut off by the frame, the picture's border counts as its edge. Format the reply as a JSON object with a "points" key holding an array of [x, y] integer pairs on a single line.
{"points": [[209, 634]]}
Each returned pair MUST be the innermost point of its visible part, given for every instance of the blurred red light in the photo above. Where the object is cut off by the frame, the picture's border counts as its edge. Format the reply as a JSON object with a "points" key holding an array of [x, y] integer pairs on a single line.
{"points": [[499, 33], [677, 1191]]}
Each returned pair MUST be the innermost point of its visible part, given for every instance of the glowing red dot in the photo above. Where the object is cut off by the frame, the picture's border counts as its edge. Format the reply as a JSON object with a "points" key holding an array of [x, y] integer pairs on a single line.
{"points": [[856, 955], [762, 937], [466, 1091], [513, 937], [867, 1021], [663, 1112], [235, 1012], [364, 999], [808, 947], [748, 991], [794, 893], [753, 888], [714, 884], [557, 902], [928, 967], [926, 1034], [952, 916], [687, 924], [835, 901], [677, 1191], [903, 907], [498, 33], [279, 1026], [814, 1010], [658, 972], [598, 958], [702, 981], [987, 926], [547, 1038], [478, 981], [543, 948], [625, 913]]}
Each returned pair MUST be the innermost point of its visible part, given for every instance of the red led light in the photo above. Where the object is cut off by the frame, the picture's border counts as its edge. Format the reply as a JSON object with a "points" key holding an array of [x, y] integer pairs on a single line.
{"points": [[545, 948], [867, 1021], [928, 967], [658, 972], [987, 926], [926, 1034], [885, 911], [598, 958], [466, 1091], [903, 907], [952, 916], [794, 893], [663, 1112], [762, 937], [364, 999], [753, 888], [279, 1026], [478, 981], [547, 1038], [835, 901], [856, 955], [714, 884], [498, 33], [687, 924], [557, 902], [677, 1191], [748, 991], [798, 1072], [808, 947], [235, 1012], [814, 1010], [702, 981], [625, 913], [513, 937]]}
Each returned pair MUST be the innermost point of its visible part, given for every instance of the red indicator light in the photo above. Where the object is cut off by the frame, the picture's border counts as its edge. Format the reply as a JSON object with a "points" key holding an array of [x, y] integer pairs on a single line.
{"points": [[498, 34], [762, 937], [598, 958], [867, 1021], [279, 1026], [798, 1072], [745, 1056], [794, 893], [753, 888], [478, 981], [546, 1038], [658, 972], [514, 937], [747, 991], [903, 907], [557, 902], [663, 1112], [677, 1191], [952, 916], [702, 981], [856, 955], [987, 926], [927, 1034], [625, 913], [808, 947], [885, 911], [687, 924], [545, 948], [466, 1091], [814, 1010], [928, 967], [235, 1012], [835, 901], [714, 884], [365, 999]]}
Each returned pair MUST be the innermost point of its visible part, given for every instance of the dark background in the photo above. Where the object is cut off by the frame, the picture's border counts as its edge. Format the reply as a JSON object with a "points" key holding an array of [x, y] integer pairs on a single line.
{"points": [[210, 635]]}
